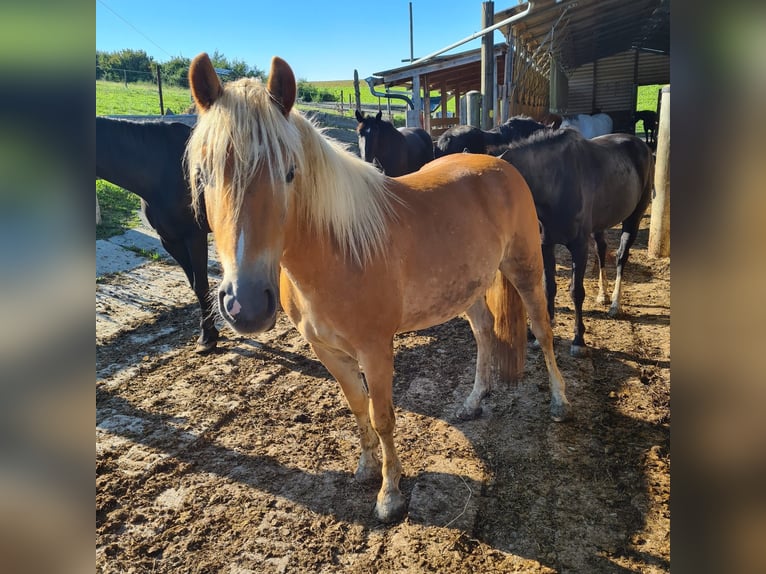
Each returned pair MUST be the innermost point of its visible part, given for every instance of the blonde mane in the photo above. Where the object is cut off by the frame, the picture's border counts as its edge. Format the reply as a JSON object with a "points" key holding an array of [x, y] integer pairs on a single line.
{"points": [[334, 191]]}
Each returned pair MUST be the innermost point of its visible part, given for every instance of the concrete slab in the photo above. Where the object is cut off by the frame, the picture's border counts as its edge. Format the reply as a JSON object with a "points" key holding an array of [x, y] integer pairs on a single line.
{"points": [[112, 258]]}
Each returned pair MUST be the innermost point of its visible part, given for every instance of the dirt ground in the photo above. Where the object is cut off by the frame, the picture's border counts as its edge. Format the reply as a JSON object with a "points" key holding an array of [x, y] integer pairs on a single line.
{"points": [[242, 460]]}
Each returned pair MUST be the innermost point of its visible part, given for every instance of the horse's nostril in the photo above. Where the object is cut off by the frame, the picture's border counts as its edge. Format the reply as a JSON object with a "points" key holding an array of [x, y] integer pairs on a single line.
{"points": [[228, 304]]}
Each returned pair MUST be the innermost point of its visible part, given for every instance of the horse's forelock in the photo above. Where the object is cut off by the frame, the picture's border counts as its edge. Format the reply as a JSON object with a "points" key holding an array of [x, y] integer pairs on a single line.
{"points": [[247, 125]]}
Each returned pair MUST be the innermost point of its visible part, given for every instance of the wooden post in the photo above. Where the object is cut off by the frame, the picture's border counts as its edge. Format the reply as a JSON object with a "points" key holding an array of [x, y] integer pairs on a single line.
{"points": [[487, 64], [159, 87], [659, 227], [356, 91]]}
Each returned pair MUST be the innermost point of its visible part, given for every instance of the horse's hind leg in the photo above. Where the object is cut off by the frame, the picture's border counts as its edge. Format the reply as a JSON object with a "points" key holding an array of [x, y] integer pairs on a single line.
{"points": [[598, 237], [345, 369], [579, 251], [549, 266], [482, 323], [530, 289], [629, 232]]}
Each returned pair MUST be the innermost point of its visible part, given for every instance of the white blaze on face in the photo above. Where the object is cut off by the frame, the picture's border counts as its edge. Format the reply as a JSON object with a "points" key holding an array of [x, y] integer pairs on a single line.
{"points": [[241, 248]]}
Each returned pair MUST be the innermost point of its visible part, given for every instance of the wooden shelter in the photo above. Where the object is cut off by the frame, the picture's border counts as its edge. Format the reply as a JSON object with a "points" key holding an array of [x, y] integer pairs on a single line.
{"points": [[562, 56]]}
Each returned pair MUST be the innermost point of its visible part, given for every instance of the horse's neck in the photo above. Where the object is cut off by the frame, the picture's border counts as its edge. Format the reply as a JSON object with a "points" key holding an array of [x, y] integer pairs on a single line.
{"points": [[493, 137], [124, 158]]}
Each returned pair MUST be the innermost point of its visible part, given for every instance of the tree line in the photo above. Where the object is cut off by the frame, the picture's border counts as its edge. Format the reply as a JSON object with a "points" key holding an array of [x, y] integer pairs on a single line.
{"points": [[129, 66], [137, 66]]}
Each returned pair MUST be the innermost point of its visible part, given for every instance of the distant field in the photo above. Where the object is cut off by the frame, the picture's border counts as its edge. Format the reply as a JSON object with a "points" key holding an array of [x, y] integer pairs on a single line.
{"points": [[647, 97], [113, 98]]}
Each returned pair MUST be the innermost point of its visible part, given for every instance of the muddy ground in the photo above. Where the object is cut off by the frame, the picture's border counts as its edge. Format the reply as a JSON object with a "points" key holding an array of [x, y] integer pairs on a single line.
{"points": [[242, 460]]}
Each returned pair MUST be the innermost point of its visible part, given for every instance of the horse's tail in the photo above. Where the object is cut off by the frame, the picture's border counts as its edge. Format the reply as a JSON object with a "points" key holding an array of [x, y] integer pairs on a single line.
{"points": [[510, 329]]}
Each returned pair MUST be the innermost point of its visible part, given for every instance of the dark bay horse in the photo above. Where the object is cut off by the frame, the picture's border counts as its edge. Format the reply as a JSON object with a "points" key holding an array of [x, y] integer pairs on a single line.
{"points": [[146, 158], [397, 150], [583, 187], [470, 139], [355, 256], [649, 119]]}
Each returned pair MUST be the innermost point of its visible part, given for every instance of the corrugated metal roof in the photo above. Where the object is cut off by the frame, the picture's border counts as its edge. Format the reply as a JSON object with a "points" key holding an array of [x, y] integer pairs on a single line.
{"points": [[577, 32]]}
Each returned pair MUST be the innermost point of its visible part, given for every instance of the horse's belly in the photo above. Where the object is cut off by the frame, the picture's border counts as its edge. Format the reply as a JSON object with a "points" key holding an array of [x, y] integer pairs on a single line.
{"points": [[438, 300]]}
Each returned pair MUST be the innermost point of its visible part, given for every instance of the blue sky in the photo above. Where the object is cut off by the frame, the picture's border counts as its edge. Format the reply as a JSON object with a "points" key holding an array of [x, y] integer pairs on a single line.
{"points": [[320, 40]]}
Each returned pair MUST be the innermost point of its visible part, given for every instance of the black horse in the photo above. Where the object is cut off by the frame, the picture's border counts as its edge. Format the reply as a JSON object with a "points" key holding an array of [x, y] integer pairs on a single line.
{"points": [[581, 188], [146, 158], [397, 151], [470, 139], [649, 119]]}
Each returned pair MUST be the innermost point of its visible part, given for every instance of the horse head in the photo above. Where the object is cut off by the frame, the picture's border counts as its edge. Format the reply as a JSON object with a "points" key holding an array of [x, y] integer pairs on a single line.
{"points": [[243, 155], [368, 131]]}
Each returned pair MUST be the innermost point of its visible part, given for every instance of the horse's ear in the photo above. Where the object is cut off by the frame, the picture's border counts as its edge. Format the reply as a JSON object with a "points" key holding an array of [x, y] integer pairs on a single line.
{"points": [[379, 115], [359, 116], [206, 88], [281, 84]]}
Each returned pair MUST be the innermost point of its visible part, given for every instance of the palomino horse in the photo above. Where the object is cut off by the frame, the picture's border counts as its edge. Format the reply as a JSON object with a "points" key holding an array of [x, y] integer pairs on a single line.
{"points": [[146, 159], [355, 256], [583, 187], [397, 150]]}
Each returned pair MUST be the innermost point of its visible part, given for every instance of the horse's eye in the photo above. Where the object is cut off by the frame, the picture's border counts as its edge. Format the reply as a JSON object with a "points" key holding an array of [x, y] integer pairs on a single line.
{"points": [[290, 175]]}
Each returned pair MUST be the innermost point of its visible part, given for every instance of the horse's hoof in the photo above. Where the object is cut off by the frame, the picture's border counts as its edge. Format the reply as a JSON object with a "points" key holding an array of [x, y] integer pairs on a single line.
{"points": [[579, 351], [614, 311], [561, 412], [206, 342], [391, 508], [466, 414]]}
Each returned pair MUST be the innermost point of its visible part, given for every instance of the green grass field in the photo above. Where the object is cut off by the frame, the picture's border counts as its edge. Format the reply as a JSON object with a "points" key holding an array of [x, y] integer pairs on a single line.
{"points": [[647, 97], [113, 98], [118, 209]]}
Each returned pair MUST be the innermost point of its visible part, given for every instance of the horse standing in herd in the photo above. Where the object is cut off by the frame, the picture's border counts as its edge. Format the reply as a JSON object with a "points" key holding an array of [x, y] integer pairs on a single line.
{"points": [[583, 187], [589, 126], [355, 256], [459, 139], [146, 159], [397, 151]]}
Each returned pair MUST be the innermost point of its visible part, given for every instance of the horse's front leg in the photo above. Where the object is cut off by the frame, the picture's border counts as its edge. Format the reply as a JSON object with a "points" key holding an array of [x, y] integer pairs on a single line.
{"points": [[345, 369], [579, 251], [378, 367], [208, 337]]}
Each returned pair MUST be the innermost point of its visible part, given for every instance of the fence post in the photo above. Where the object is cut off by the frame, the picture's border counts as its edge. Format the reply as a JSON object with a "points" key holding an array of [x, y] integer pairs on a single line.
{"points": [[356, 91], [159, 87], [659, 226]]}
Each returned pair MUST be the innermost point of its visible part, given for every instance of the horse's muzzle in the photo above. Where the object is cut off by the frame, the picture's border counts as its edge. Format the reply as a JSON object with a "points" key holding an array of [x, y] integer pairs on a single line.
{"points": [[248, 307]]}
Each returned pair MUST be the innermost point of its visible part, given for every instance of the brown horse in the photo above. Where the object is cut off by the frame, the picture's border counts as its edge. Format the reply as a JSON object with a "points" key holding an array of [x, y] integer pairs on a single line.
{"points": [[355, 256]]}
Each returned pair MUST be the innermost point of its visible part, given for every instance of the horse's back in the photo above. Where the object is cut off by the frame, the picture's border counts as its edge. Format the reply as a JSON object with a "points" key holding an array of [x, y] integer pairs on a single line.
{"points": [[450, 185], [460, 216], [627, 172], [590, 126], [459, 139]]}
